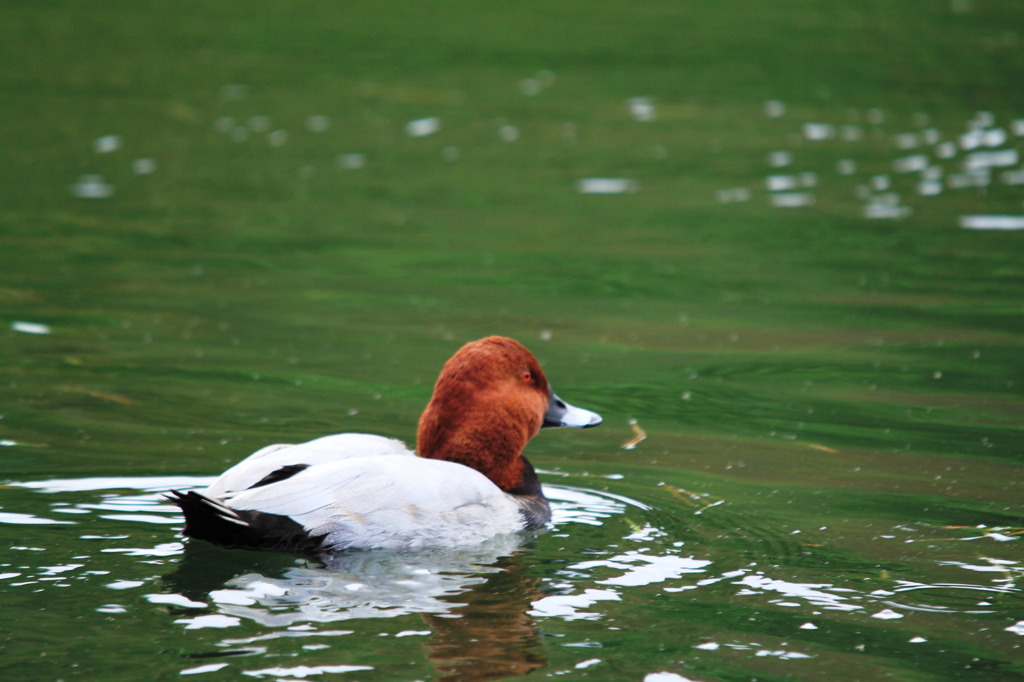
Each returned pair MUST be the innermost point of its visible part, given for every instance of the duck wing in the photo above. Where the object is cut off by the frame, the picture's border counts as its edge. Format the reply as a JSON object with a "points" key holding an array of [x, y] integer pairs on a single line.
{"points": [[279, 461], [360, 503]]}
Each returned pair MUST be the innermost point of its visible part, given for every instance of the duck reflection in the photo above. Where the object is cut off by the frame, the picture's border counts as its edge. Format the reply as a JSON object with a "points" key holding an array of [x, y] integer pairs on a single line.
{"points": [[491, 635], [475, 601]]}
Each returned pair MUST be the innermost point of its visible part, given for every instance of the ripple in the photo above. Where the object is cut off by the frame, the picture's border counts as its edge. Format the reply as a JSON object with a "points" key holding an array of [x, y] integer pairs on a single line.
{"points": [[306, 671], [580, 505], [362, 585], [213, 620], [645, 569], [813, 593], [568, 606], [947, 597], [13, 518], [146, 483]]}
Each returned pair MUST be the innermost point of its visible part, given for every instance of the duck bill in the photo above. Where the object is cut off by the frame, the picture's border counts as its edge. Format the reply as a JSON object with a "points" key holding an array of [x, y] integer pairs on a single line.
{"points": [[561, 413]]}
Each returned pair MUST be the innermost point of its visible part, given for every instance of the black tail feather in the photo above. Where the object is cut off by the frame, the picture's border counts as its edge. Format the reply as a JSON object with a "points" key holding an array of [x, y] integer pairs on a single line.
{"points": [[209, 519]]}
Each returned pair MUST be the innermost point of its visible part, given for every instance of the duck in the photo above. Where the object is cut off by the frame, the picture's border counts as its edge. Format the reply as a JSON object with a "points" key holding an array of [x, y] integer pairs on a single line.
{"points": [[467, 482]]}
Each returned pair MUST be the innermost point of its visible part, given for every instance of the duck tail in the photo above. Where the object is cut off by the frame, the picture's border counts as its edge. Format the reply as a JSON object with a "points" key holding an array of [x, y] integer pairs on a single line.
{"points": [[211, 520]]}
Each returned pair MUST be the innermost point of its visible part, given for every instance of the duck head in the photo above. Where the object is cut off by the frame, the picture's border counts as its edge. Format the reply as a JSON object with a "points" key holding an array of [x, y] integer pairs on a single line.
{"points": [[490, 399]]}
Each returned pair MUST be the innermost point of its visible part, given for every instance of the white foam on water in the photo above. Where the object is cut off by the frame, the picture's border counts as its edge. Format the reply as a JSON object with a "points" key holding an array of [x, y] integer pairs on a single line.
{"points": [[852, 133], [945, 150], [174, 600], [318, 123], [302, 671], [208, 668], [92, 187], [792, 199], [972, 139], [107, 144], [885, 211], [910, 164], [30, 327], [665, 677], [773, 108], [214, 620], [995, 159], [994, 138], [976, 178], [813, 593], [531, 87], [606, 186], [351, 161], [143, 166], [568, 606], [817, 132], [880, 183], [907, 141], [642, 109], [422, 127], [887, 614], [16, 519], [781, 183], [1013, 177], [992, 222], [277, 138]]}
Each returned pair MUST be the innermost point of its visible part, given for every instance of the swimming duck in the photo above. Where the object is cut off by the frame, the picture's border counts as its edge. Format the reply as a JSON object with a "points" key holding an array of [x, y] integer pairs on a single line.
{"points": [[469, 481]]}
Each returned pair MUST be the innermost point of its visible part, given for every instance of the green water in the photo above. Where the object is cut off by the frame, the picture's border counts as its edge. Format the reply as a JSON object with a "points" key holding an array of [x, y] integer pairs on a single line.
{"points": [[217, 232]]}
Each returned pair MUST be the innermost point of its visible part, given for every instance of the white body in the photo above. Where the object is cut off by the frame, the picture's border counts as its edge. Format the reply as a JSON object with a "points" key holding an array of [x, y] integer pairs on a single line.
{"points": [[364, 491]]}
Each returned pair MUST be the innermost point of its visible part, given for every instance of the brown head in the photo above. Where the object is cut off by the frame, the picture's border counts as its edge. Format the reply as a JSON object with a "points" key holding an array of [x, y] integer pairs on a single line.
{"points": [[490, 399]]}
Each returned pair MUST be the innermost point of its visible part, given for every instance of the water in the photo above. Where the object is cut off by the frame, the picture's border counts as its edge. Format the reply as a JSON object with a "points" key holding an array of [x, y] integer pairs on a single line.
{"points": [[809, 369]]}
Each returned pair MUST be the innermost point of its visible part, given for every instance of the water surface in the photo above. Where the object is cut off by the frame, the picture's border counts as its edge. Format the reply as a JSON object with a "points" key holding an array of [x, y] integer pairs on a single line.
{"points": [[225, 227]]}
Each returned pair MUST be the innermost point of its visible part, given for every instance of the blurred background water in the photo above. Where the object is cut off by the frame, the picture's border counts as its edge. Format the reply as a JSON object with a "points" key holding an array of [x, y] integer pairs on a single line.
{"points": [[782, 242]]}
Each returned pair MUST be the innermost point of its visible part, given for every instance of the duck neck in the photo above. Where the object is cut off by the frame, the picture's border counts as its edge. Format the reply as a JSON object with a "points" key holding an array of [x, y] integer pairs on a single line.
{"points": [[496, 452]]}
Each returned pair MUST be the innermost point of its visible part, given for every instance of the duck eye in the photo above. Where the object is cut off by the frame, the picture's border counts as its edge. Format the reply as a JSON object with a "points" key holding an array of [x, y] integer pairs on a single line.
{"points": [[527, 376]]}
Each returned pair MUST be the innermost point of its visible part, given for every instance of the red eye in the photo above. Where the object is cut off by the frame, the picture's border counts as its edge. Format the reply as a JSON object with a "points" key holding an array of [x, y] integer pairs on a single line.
{"points": [[527, 376]]}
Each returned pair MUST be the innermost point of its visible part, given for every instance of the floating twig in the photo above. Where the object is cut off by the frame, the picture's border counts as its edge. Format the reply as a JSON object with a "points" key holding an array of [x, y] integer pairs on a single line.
{"points": [[638, 435], [110, 397], [699, 501]]}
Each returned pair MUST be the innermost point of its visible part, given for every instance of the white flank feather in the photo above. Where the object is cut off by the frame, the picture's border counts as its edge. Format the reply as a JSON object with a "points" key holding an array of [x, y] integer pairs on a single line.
{"points": [[384, 502], [266, 461]]}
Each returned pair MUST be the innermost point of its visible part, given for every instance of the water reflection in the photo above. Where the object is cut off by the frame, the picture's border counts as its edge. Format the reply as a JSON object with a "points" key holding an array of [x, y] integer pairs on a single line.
{"points": [[947, 597], [345, 587], [943, 165], [478, 612], [478, 605], [493, 634]]}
